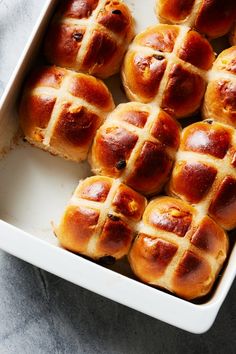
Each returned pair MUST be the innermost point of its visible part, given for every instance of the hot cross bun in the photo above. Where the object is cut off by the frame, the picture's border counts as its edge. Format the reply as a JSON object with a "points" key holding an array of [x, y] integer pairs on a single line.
{"points": [[211, 17], [137, 144], [90, 36], [167, 65], [220, 97], [205, 171], [60, 111], [177, 249], [100, 219]]}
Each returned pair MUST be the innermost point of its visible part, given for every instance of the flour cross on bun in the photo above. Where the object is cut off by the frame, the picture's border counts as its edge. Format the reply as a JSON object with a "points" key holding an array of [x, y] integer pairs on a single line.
{"points": [[90, 36], [167, 65], [178, 249], [61, 110], [205, 171], [220, 98], [101, 219], [213, 18], [137, 144]]}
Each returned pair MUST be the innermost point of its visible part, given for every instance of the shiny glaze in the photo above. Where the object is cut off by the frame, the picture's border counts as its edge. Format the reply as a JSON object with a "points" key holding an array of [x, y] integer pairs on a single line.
{"points": [[99, 54], [184, 91], [35, 112], [150, 169], [175, 10], [216, 17], [166, 130], [76, 126], [162, 40], [192, 180], [77, 8], [129, 203], [193, 275], [144, 74], [197, 51], [223, 206], [115, 17], [76, 228], [95, 189], [49, 76], [206, 138], [91, 90], [116, 237], [136, 118], [209, 237], [150, 257]]}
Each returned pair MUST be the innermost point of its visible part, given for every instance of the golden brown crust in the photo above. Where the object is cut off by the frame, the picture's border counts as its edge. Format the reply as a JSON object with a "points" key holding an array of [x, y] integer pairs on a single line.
{"points": [[177, 249], [137, 143], [167, 65], [90, 36], [205, 171], [60, 111], [220, 97], [101, 218], [213, 18]]}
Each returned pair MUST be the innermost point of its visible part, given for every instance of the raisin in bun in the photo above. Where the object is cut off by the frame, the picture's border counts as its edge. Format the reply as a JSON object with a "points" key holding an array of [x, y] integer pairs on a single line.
{"points": [[205, 171], [167, 65], [100, 219], [177, 249], [232, 36], [137, 144], [90, 36], [220, 97], [60, 111], [213, 18]]}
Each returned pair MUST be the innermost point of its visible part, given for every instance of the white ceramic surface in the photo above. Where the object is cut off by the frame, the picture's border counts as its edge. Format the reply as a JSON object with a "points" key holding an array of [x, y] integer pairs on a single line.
{"points": [[34, 188]]}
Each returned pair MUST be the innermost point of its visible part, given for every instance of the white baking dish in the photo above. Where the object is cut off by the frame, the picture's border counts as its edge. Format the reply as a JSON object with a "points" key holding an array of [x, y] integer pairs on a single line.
{"points": [[34, 188]]}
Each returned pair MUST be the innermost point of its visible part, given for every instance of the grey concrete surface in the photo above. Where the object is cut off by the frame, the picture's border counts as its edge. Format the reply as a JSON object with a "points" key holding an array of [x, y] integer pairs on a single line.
{"points": [[41, 313]]}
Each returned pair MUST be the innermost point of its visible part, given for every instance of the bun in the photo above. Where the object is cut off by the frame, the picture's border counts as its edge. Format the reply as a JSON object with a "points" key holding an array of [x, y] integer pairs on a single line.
{"points": [[100, 220], [205, 171], [220, 97], [177, 249], [167, 65], [90, 36], [60, 111], [213, 18], [137, 144]]}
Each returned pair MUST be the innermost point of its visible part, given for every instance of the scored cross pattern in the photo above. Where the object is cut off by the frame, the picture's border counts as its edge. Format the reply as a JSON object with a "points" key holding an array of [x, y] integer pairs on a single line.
{"points": [[91, 42], [160, 68], [118, 130], [61, 111], [117, 210], [177, 242], [205, 171]]}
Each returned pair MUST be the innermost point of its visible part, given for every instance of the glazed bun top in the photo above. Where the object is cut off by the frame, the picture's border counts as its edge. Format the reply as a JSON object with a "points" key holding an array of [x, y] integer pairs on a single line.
{"points": [[137, 144], [220, 98], [60, 111], [205, 171], [167, 65], [213, 18], [178, 249], [90, 36]]}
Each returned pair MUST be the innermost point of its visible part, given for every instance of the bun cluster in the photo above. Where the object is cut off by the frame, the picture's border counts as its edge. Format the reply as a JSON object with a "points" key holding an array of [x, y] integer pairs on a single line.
{"points": [[138, 150]]}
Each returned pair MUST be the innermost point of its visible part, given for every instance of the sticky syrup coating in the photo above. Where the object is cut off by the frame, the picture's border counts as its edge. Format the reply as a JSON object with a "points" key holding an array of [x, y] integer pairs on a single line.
{"points": [[101, 218], [90, 36], [166, 65], [60, 111], [177, 249]]}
